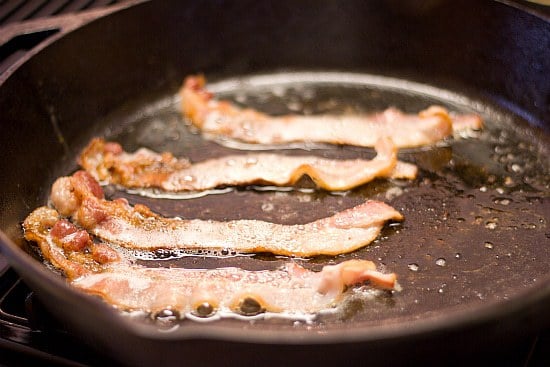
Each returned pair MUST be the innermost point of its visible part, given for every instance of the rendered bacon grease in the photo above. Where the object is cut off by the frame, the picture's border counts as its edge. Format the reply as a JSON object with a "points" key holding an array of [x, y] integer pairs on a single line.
{"points": [[98, 269], [81, 198], [107, 162], [222, 118], [87, 237]]}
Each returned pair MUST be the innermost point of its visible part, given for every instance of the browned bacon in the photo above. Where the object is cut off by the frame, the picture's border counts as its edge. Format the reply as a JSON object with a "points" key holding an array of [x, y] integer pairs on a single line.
{"points": [[107, 162], [290, 289], [137, 227], [64, 244], [222, 118]]}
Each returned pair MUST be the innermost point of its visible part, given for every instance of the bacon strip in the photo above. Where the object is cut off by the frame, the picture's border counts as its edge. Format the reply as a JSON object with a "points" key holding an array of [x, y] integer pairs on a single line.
{"points": [[80, 197], [222, 118], [107, 162], [290, 289]]}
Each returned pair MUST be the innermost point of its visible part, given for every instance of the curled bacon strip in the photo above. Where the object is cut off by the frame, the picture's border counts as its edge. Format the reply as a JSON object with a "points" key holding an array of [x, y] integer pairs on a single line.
{"points": [[107, 162], [222, 118], [290, 289], [66, 246], [137, 227]]}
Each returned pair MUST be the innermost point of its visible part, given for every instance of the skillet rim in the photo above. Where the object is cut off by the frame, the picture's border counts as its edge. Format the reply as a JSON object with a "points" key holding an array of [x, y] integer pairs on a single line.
{"points": [[523, 302]]}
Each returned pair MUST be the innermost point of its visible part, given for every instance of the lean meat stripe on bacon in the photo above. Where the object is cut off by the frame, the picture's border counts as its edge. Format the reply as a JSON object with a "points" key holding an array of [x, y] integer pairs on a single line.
{"points": [[99, 270], [81, 198], [107, 162], [222, 118]]}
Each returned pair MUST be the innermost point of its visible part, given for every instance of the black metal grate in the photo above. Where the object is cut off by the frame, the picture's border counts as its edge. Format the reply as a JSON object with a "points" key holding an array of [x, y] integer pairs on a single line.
{"points": [[30, 336], [16, 48], [29, 22], [12, 11]]}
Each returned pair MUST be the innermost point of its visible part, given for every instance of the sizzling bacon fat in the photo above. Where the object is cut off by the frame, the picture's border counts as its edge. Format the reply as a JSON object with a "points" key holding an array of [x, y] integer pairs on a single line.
{"points": [[98, 269], [222, 118], [80, 197], [107, 162]]}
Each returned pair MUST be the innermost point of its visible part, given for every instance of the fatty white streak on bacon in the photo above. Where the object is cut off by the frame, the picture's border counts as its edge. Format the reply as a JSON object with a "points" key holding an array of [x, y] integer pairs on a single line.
{"points": [[107, 162], [222, 118], [290, 289], [137, 227]]}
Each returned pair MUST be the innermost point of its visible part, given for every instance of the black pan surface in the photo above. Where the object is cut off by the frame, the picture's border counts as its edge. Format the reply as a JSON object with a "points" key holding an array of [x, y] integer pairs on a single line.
{"points": [[472, 254]]}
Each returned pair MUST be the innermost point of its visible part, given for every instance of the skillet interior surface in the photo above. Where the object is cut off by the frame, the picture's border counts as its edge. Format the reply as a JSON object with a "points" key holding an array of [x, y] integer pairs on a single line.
{"points": [[475, 217], [475, 234]]}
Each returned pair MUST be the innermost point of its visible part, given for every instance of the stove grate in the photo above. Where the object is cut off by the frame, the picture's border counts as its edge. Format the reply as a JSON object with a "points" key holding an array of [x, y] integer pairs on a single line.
{"points": [[12, 11], [26, 329]]}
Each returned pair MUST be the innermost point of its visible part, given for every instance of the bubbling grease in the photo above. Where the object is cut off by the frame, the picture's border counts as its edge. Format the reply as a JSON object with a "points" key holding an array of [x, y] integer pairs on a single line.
{"points": [[501, 169]]}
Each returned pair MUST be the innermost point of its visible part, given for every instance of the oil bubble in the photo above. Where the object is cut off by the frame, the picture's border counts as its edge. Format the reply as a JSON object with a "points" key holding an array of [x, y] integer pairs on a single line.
{"points": [[491, 225], [267, 207], [502, 201], [413, 267]]}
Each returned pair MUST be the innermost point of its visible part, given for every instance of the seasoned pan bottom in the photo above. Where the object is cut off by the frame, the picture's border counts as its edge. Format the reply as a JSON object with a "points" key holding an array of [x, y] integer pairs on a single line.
{"points": [[475, 218]]}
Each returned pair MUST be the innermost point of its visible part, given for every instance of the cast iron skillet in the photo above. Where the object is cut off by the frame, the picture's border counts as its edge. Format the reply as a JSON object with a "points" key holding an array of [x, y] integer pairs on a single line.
{"points": [[117, 77]]}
